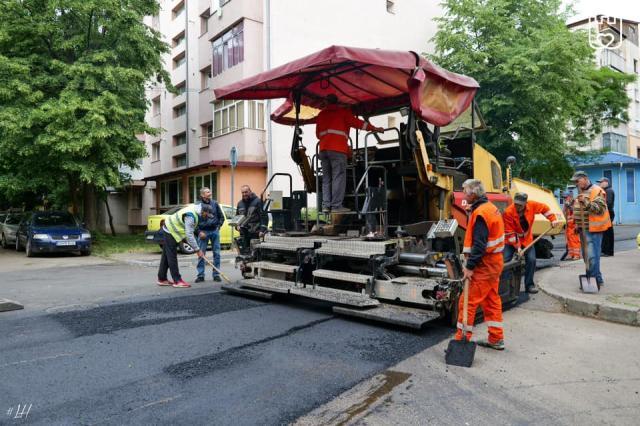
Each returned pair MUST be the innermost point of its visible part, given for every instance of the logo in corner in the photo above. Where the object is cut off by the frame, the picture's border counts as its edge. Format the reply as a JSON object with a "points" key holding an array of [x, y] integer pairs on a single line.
{"points": [[605, 32]]}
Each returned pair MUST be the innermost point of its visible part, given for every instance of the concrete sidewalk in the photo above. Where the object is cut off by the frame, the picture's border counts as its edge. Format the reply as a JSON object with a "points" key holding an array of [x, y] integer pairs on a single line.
{"points": [[617, 301]]}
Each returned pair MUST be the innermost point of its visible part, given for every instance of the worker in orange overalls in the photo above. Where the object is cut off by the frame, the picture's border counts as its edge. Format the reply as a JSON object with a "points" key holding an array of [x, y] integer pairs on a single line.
{"points": [[332, 129], [483, 246], [571, 233], [518, 229]]}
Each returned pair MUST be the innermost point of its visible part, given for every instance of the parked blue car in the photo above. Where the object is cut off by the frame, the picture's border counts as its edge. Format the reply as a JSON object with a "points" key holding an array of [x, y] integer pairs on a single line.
{"points": [[52, 232]]}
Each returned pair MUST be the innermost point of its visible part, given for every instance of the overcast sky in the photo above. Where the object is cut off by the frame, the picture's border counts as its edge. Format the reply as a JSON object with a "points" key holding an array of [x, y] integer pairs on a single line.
{"points": [[626, 9]]}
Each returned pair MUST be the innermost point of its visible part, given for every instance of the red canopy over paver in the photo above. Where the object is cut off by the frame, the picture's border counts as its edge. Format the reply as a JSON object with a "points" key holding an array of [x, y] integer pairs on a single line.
{"points": [[370, 81]]}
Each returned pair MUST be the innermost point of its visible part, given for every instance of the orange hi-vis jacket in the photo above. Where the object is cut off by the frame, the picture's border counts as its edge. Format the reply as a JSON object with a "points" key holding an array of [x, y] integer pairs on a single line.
{"points": [[598, 222], [332, 128], [513, 230], [490, 267]]}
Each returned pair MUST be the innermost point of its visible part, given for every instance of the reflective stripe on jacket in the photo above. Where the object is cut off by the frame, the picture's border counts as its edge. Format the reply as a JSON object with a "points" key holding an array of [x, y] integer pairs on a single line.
{"points": [[175, 222], [516, 236], [332, 128], [491, 264]]}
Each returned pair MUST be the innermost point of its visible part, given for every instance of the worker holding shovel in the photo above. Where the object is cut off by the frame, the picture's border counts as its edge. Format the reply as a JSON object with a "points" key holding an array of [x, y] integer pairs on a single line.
{"points": [[518, 227], [483, 246]]}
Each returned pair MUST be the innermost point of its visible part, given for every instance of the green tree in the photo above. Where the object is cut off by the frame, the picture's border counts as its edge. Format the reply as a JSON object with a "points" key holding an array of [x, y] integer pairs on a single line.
{"points": [[539, 85], [73, 75]]}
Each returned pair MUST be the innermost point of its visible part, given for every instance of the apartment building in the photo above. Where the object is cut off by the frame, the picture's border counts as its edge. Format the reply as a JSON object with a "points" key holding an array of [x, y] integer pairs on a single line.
{"points": [[217, 42], [623, 55]]}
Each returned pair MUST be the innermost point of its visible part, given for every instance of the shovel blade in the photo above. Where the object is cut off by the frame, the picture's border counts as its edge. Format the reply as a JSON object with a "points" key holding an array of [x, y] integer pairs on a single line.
{"points": [[460, 353], [588, 284]]}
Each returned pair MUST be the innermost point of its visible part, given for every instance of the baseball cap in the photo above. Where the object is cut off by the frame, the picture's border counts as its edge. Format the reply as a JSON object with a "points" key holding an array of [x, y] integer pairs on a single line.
{"points": [[520, 198], [578, 174], [603, 179]]}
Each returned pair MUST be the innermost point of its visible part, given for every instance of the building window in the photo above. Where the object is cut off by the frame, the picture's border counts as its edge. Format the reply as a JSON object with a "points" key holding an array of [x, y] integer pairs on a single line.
{"points": [[209, 180], [136, 199], [177, 11], [180, 89], [171, 193], [228, 116], [614, 142], [205, 77], [179, 60], [609, 175], [204, 22], [178, 40], [256, 115], [155, 151], [638, 152], [631, 186], [206, 130], [155, 106], [180, 160], [228, 49], [635, 66], [179, 110], [180, 139]]}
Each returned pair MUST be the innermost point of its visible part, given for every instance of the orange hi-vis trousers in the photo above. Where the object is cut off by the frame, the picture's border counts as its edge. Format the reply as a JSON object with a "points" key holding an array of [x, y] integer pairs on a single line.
{"points": [[485, 294]]}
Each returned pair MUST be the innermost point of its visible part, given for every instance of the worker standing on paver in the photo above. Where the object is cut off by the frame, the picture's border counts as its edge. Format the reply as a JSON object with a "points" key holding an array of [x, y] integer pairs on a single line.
{"points": [[332, 129], [591, 216], [518, 229], [255, 221], [483, 246], [180, 226]]}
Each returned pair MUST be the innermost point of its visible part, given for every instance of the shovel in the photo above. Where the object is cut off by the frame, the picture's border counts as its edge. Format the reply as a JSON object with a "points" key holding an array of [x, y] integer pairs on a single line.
{"points": [[588, 283], [217, 270], [524, 250], [462, 352]]}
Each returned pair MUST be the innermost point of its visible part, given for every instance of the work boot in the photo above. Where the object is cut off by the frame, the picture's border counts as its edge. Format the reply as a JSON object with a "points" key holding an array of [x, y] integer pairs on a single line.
{"points": [[181, 284], [217, 278], [199, 279], [532, 289], [164, 282], [498, 346]]}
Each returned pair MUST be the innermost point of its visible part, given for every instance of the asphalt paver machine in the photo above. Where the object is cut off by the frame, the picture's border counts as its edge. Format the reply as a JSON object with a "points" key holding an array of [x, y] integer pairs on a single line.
{"points": [[396, 255]]}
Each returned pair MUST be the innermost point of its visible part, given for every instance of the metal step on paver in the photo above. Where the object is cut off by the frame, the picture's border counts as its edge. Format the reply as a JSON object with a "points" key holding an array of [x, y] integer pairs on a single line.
{"points": [[326, 294], [342, 276], [268, 284], [355, 248], [392, 314], [272, 266], [276, 242], [340, 297]]}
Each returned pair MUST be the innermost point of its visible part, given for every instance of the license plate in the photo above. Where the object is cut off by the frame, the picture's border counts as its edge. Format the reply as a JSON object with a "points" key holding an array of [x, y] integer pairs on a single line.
{"points": [[149, 237], [66, 243]]}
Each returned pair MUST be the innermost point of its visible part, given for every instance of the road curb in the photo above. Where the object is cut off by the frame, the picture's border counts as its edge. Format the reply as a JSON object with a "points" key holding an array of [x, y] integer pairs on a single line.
{"points": [[9, 305], [606, 311]]}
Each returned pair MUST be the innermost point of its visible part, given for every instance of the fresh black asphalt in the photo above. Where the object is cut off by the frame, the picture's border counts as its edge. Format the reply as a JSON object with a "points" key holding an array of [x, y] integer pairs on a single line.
{"points": [[208, 358]]}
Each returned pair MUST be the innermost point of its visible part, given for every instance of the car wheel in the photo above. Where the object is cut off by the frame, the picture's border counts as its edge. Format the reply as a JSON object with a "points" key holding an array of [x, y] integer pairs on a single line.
{"points": [[185, 248], [28, 248], [4, 242], [85, 252]]}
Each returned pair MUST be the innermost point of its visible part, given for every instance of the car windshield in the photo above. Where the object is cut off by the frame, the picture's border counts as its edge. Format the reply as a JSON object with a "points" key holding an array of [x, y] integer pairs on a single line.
{"points": [[54, 219]]}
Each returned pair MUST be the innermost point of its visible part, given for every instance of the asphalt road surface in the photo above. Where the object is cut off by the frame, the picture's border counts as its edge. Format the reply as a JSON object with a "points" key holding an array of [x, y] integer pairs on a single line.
{"points": [[101, 344], [205, 358]]}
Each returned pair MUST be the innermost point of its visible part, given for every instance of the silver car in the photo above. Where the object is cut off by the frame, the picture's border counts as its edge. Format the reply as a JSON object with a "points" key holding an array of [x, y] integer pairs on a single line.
{"points": [[9, 227]]}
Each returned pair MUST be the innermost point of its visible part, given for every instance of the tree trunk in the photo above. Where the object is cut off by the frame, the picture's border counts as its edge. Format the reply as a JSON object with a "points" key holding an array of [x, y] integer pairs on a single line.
{"points": [[106, 203], [73, 193], [90, 209]]}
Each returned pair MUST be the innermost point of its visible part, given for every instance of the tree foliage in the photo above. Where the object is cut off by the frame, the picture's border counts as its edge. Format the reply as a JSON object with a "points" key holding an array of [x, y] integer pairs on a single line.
{"points": [[72, 91], [541, 93]]}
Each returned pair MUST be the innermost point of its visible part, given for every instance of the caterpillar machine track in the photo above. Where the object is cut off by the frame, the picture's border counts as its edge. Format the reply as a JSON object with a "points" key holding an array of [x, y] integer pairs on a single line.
{"points": [[395, 257]]}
